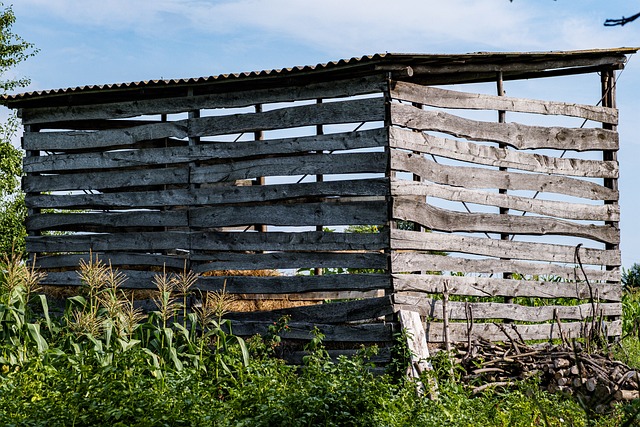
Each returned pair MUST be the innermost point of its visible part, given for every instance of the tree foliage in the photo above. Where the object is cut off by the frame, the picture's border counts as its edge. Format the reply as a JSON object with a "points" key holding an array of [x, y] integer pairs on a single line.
{"points": [[13, 51]]}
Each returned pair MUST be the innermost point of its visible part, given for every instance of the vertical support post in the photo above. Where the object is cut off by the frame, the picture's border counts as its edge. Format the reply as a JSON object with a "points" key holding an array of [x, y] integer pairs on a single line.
{"points": [[503, 211], [608, 87], [193, 141], [319, 178], [31, 211], [259, 136]]}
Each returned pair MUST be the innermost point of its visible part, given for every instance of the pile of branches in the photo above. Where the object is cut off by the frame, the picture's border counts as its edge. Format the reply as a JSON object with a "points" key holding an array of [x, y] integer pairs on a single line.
{"points": [[594, 377]]}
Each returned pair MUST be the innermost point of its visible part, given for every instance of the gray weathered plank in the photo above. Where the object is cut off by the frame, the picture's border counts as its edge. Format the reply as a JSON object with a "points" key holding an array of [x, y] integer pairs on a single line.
{"points": [[298, 214], [414, 261], [212, 196], [497, 287], [102, 221], [354, 111], [438, 219], [443, 98], [525, 204], [213, 241], [471, 177], [513, 134], [339, 312], [493, 332], [105, 180], [500, 157], [432, 308], [312, 164], [117, 260], [203, 152], [401, 240], [234, 99]]}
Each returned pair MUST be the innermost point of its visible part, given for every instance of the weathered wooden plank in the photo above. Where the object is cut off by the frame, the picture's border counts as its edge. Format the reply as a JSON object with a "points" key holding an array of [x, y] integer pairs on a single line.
{"points": [[492, 310], [338, 312], [117, 260], [471, 177], [500, 157], [515, 135], [142, 279], [444, 98], [312, 164], [401, 239], [416, 343], [370, 332], [355, 111], [298, 214], [438, 219], [106, 180], [213, 241], [414, 261], [212, 196], [102, 221], [553, 208], [235, 99], [493, 332], [204, 152], [497, 287], [281, 260]]}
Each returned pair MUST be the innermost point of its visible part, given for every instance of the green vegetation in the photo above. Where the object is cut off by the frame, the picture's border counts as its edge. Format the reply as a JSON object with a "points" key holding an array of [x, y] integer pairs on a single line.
{"points": [[102, 362]]}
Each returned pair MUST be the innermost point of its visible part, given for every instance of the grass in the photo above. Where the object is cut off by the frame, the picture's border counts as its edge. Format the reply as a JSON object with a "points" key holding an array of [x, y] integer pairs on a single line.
{"points": [[105, 363]]}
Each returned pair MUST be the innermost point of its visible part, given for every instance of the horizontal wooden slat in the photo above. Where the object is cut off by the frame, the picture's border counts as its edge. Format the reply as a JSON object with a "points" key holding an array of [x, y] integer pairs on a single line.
{"points": [[493, 332], [414, 261], [324, 164], [444, 98], [211, 196], [234, 99], [500, 157], [513, 134], [105, 180], [142, 279], [471, 177], [359, 333], [298, 214], [498, 287], [102, 221], [438, 219], [213, 241], [401, 239], [281, 260], [553, 208], [491, 310], [117, 260], [338, 312], [355, 111], [203, 152]]}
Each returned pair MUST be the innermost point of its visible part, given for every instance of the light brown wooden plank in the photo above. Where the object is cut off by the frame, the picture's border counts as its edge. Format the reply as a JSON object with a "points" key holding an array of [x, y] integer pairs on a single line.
{"points": [[500, 157], [444, 98], [513, 134], [433, 309], [497, 287], [205, 151], [402, 240], [525, 204], [213, 241], [212, 196], [354, 111], [298, 214], [470, 177], [233, 99], [438, 219], [415, 261], [492, 332]]}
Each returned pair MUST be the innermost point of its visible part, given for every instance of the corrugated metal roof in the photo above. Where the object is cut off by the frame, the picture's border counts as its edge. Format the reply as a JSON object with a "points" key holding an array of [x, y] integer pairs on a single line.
{"points": [[368, 62]]}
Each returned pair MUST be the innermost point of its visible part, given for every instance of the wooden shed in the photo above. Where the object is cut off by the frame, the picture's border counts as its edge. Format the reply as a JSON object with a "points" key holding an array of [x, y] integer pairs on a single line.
{"points": [[365, 183]]}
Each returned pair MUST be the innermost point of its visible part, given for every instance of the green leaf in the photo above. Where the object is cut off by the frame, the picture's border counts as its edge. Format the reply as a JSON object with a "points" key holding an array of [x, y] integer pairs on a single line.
{"points": [[34, 331]]}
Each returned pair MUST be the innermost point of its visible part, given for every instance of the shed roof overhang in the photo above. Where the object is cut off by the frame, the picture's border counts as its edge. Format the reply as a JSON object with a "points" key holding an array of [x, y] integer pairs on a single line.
{"points": [[420, 68]]}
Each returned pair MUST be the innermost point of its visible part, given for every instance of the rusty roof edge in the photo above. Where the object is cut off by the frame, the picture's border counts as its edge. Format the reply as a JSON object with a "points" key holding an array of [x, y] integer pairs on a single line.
{"points": [[376, 62]]}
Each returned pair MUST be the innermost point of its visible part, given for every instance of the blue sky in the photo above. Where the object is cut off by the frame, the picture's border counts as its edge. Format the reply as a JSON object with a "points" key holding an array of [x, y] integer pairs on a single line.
{"points": [[107, 41]]}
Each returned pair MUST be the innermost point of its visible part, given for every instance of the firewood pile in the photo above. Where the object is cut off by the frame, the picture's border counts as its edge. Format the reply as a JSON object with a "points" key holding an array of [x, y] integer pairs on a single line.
{"points": [[593, 377]]}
